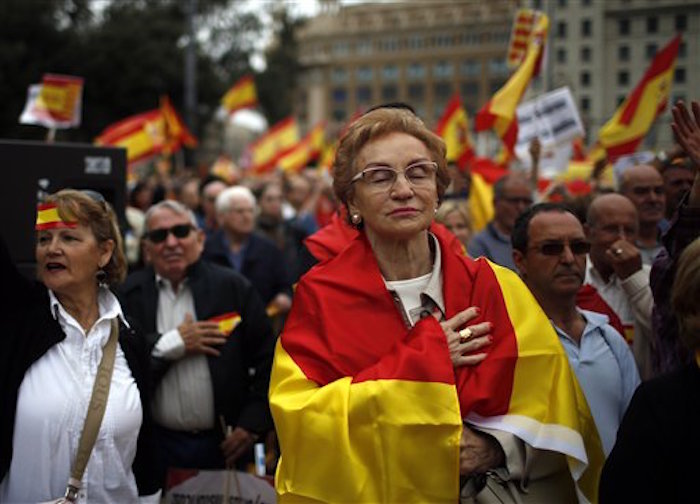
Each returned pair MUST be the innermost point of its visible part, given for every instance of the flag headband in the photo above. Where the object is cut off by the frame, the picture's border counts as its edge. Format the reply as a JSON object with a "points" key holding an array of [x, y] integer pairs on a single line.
{"points": [[47, 217]]}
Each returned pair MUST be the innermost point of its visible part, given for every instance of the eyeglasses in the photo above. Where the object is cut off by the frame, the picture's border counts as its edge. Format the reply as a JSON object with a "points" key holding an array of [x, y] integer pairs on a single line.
{"points": [[160, 235], [555, 248], [381, 177]]}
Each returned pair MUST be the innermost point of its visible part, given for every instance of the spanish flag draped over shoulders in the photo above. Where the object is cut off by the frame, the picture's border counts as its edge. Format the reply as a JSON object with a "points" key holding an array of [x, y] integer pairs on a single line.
{"points": [[367, 410]]}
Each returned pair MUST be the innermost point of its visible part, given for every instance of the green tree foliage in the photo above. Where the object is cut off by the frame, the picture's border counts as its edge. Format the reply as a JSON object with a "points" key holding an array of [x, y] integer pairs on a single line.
{"points": [[276, 84], [130, 52]]}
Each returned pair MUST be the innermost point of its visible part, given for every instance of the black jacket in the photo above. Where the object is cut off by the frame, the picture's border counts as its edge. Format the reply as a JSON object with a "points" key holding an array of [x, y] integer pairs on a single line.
{"points": [[29, 331], [263, 264], [241, 374]]}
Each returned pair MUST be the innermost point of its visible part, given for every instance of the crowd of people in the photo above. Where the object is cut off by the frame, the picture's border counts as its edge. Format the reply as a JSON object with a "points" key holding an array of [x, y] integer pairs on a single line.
{"points": [[380, 347]]}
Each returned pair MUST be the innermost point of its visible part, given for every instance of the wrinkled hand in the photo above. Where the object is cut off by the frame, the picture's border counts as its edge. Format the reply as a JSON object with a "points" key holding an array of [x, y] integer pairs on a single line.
{"points": [[236, 444], [201, 337], [624, 258], [459, 346], [478, 452], [687, 129]]}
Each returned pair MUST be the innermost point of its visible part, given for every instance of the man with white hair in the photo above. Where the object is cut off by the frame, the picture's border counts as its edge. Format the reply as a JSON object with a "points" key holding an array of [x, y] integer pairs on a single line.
{"points": [[211, 346], [256, 257]]}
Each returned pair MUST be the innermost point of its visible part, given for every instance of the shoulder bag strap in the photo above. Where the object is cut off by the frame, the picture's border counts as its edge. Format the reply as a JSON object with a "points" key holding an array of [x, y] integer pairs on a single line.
{"points": [[96, 410]]}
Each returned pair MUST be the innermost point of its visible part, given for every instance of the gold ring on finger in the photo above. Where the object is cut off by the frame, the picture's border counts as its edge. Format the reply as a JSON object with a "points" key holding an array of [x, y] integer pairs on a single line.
{"points": [[465, 335]]}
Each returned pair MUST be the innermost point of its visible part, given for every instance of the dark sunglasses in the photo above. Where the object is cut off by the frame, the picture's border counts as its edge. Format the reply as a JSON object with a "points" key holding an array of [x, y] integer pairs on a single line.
{"points": [[578, 247], [160, 235]]}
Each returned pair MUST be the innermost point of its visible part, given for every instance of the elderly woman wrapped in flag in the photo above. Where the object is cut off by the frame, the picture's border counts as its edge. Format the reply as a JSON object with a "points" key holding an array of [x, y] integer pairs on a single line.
{"points": [[378, 379]]}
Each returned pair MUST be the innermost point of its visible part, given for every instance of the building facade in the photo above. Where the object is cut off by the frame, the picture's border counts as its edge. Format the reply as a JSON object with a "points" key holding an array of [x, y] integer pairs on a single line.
{"points": [[421, 52]]}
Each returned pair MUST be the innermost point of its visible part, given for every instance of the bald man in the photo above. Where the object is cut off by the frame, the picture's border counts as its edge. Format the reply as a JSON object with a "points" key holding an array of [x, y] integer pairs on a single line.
{"points": [[644, 186], [616, 271]]}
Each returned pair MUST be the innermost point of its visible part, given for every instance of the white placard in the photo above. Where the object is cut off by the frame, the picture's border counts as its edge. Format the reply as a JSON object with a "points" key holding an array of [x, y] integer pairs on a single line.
{"points": [[551, 117]]}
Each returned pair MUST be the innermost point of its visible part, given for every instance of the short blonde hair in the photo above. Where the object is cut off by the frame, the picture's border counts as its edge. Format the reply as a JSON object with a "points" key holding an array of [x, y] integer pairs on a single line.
{"points": [[376, 124], [685, 294], [100, 218], [449, 206]]}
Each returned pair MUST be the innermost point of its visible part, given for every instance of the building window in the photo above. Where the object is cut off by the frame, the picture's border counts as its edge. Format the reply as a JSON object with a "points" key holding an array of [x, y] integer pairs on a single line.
{"points": [[443, 40], [623, 53], [416, 42], [443, 69], [498, 66], [416, 71], [585, 104], [561, 55], [470, 68], [562, 3], [682, 50], [681, 22], [339, 75], [443, 91], [679, 76], [469, 90], [586, 3], [389, 93], [339, 115], [651, 51], [623, 26], [340, 95], [390, 44], [416, 91], [586, 28], [585, 78], [585, 54], [623, 78], [364, 47], [341, 48], [364, 73], [652, 24], [364, 94], [561, 29], [390, 72], [495, 85]]}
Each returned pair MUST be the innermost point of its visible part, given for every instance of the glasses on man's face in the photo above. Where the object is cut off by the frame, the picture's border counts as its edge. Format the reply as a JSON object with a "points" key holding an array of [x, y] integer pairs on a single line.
{"points": [[161, 234], [382, 177], [555, 248]]}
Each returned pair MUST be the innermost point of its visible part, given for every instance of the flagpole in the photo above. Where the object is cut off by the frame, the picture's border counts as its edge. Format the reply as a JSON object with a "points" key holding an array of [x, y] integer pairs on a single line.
{"points": [[50, 135]]}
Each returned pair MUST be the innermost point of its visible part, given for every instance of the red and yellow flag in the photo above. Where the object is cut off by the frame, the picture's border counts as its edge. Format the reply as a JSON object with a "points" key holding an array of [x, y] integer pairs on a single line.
{"points": [[520, 36], [348, 374], [453, 127], [227, 321], [148, 134], [499, 113], [48, 217], [268, 149], [55, 103], [625, 130], [305, 151], [242, 94]]}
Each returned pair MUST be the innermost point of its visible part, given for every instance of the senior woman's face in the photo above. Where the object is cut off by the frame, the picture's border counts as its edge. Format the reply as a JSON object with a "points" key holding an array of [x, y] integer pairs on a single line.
{"points": [[403, 208], [68, 259]]}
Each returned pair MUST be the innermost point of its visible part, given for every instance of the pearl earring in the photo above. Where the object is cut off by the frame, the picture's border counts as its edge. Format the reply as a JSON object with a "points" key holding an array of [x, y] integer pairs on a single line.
{"points": [[356, 219]]}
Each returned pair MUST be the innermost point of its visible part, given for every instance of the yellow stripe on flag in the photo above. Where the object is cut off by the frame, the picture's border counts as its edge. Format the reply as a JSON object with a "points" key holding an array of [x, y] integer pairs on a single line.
{"points": [[384, 440], [480, 202], [47, 217], [227, 322]]}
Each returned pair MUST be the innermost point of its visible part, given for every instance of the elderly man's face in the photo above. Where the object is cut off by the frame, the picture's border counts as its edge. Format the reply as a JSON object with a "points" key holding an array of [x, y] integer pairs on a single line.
{"points": [[616, 219], [517, 197], [239, 219], [645, 188], [677, 182], [550, 274], [171, 257]]}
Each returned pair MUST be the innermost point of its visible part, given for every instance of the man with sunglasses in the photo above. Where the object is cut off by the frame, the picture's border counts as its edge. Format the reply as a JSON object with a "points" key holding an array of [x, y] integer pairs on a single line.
{"points": [[211, 346], [512, 195], [644, 187], [549, 250]]}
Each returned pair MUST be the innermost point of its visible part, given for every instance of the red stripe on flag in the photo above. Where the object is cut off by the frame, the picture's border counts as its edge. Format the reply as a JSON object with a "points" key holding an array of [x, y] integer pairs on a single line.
{"points": [[662, 62]]}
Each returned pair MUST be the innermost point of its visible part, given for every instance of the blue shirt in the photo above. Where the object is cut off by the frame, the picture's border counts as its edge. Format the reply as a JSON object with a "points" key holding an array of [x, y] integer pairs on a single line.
{"points": [[493, 245], [605, 368]]}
